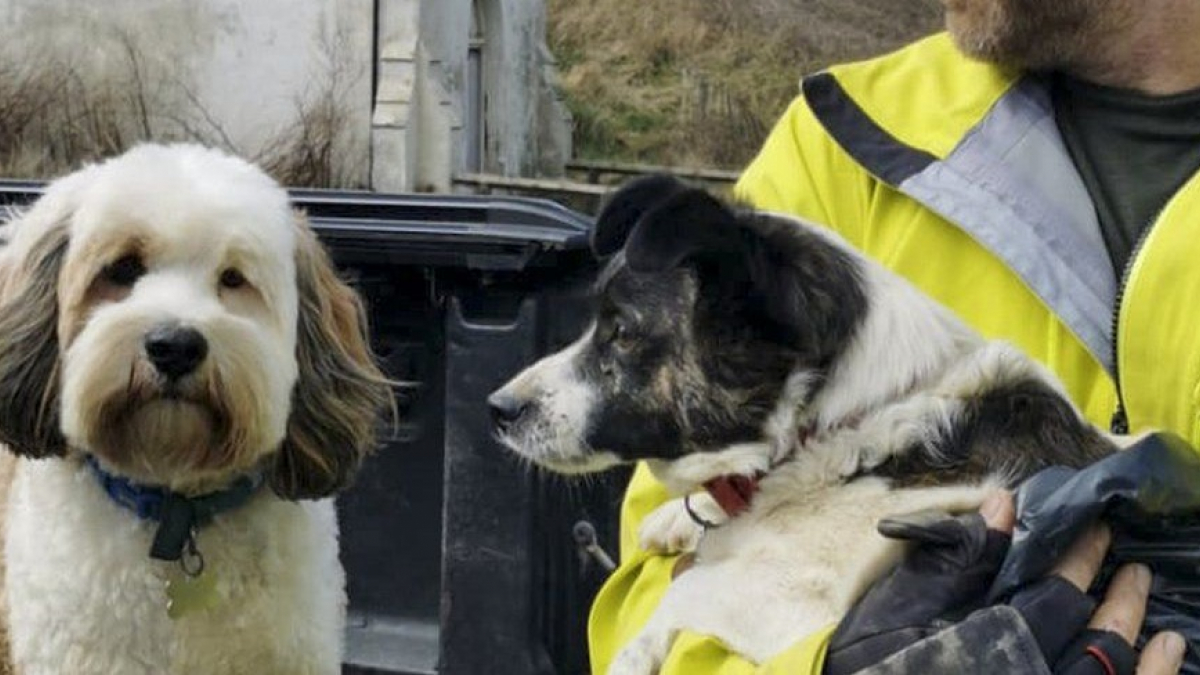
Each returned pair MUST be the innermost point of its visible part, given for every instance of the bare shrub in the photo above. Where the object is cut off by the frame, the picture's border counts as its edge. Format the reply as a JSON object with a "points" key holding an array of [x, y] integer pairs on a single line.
{"points": [[310, 151], [56, 115], [306, 152], [51, 119]]}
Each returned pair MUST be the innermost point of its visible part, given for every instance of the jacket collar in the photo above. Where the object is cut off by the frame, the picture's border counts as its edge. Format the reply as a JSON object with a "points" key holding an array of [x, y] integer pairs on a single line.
{"points": [[1010, 184]]}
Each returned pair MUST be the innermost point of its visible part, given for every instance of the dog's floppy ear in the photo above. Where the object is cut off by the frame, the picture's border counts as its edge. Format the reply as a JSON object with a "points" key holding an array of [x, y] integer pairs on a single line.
{"points": [[29, 348], [688, 225], [626, 207], [340, 394], [794, 285]]}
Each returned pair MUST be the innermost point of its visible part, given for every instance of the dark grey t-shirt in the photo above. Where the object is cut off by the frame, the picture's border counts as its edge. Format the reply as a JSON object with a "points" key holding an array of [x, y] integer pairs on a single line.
{"points": [[1133, 151]]}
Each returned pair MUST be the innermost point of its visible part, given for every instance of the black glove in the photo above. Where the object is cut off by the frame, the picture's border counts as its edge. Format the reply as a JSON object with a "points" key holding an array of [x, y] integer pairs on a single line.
{"points": [[943, 578], [1057, 614], [908, 622]]}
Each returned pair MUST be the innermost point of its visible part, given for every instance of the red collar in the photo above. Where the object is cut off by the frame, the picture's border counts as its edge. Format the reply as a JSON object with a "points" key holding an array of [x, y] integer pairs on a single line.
{"points": [[733, 493]]}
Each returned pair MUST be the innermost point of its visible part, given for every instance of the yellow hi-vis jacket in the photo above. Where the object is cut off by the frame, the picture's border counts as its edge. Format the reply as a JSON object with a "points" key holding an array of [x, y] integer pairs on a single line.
{"points": [[952, 173]]}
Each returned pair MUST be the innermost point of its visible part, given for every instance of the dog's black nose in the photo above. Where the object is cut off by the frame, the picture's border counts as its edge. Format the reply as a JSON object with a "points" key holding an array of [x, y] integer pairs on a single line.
{"points": [[175, 350], [506, 409]]}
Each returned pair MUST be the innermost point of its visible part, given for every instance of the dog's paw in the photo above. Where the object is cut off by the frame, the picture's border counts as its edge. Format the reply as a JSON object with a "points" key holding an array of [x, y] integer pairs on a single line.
{"points": [[670, 529], [632, 661], [644, 655]]}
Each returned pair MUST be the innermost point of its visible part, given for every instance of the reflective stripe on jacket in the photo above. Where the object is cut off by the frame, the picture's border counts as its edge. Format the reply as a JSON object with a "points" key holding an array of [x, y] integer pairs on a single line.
{"points": [[952, 173]]}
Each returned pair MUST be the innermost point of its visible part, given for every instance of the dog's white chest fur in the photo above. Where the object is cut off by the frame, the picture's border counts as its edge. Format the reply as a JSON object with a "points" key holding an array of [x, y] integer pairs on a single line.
{"points": [[85, 598], [791, 565]]}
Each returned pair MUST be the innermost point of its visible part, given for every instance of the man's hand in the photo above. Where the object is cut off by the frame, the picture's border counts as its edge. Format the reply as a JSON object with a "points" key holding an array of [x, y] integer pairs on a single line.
{"points": [[918, 606], [946, 573], [1105, 645]]}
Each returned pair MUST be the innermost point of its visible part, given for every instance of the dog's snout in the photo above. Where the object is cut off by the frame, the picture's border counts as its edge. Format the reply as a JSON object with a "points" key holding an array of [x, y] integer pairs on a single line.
{"points": [[506, 408], [175, 350]]}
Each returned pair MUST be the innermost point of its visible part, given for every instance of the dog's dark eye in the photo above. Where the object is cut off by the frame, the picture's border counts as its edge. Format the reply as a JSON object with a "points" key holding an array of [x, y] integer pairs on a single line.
{"points": [[232, 278], [124, 271], [622, 336], [620, 332]]}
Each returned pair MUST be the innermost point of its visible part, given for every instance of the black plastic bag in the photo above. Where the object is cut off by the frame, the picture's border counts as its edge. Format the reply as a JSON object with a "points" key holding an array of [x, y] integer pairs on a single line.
{"points": [[1150, 496]]}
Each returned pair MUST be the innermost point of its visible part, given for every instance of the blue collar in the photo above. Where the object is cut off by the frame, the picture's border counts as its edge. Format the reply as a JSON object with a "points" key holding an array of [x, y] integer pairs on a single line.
{"points": [[178, 516]]}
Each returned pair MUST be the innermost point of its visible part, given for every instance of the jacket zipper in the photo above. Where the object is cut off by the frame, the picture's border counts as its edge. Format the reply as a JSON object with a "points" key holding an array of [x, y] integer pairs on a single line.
{"points": [[1120, 420]]}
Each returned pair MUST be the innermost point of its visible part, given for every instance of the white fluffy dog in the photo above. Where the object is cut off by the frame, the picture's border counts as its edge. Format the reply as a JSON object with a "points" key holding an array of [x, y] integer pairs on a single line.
{"points": [[184, 382]]}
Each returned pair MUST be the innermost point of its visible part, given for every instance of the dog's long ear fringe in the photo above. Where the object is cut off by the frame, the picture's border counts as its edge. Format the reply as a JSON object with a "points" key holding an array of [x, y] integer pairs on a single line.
{"points": [[625, 208], [29, 350], [341, 394]]}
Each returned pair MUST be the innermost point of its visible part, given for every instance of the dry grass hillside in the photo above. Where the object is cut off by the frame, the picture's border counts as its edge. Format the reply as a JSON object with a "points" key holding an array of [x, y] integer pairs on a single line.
{"points": [[699, 82]]}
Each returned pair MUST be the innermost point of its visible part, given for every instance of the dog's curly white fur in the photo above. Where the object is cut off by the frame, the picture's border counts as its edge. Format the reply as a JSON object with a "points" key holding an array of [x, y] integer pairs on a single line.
{"points": [[269, 373]]}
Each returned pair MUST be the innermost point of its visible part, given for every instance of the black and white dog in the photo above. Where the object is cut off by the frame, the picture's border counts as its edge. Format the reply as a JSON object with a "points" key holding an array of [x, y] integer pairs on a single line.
{"points": [[810, 390]]}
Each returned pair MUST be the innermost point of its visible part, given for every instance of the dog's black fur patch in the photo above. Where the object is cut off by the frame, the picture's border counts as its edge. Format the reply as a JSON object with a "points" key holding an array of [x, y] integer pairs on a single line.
{"points": [[625, 209], [1012, 431], [703, 317]]}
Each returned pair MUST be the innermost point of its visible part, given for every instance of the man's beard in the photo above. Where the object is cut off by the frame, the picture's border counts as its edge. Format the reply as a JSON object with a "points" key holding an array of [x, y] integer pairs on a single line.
{"points": [[1035, 34]]}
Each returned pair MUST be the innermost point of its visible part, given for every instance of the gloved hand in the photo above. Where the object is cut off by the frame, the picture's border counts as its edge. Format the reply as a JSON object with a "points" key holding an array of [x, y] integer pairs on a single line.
{"points": [[925, 616], [944, 577]]}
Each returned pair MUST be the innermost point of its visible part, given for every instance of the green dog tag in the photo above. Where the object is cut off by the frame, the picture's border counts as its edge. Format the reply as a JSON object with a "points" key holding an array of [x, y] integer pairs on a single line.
{"points": [[187, 594]]}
